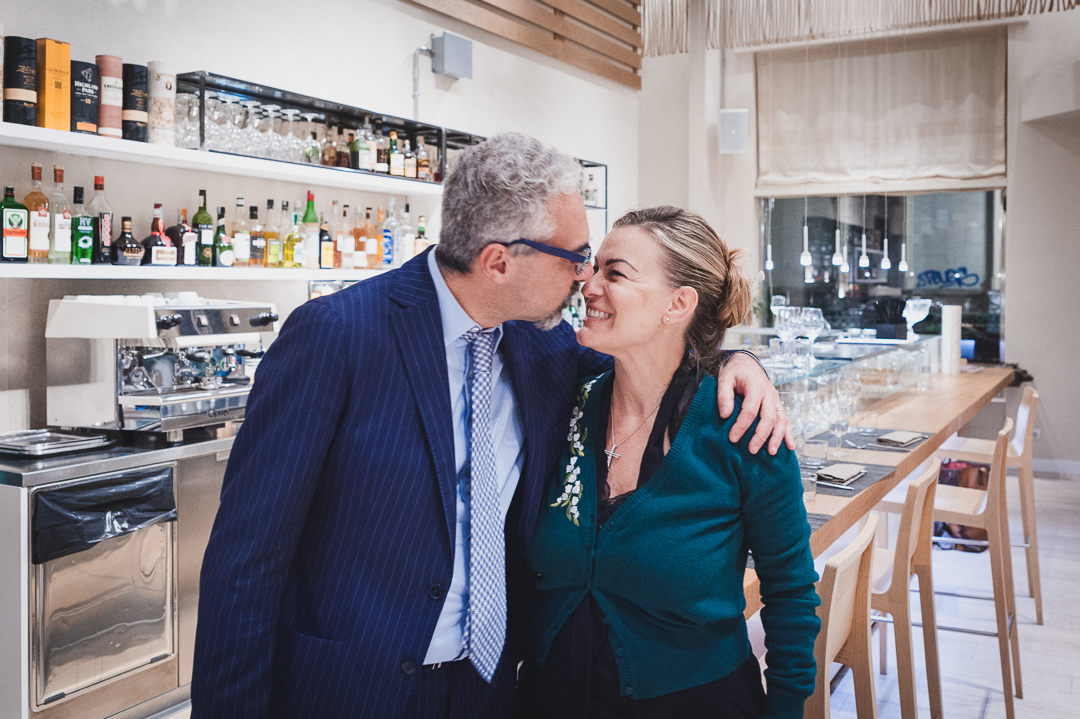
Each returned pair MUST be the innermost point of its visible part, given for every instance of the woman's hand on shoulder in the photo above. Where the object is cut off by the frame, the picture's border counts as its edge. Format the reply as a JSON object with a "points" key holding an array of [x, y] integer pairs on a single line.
{"points": [[742, 373]]}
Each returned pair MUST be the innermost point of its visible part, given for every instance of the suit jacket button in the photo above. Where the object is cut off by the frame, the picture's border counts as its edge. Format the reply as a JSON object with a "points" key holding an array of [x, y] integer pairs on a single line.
{"points": [[408, 669], [436, 591]]}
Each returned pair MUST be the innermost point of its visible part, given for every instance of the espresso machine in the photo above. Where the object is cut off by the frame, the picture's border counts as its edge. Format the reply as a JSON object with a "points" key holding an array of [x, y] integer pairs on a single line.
{"points": [[151, 363]]}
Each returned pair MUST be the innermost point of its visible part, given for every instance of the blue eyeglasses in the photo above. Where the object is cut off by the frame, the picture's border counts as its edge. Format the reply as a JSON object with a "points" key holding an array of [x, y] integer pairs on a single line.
{"points": [[579, 260]]}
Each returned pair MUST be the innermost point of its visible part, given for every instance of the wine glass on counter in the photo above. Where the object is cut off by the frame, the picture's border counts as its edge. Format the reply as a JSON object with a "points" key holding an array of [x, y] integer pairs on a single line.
{"points": [[839, 421]]}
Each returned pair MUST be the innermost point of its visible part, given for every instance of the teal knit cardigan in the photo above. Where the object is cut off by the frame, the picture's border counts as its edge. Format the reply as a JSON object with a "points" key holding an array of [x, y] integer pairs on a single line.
{"points": [[667, 568]]}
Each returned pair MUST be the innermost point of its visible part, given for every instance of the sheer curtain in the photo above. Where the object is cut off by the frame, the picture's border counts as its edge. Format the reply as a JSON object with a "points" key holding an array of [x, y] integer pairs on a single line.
{"points": [[918, 114]]}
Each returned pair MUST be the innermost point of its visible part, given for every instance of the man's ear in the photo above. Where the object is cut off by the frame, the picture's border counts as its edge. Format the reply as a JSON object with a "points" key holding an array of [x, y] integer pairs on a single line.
{"points": [[683, 303], [493, 263]]}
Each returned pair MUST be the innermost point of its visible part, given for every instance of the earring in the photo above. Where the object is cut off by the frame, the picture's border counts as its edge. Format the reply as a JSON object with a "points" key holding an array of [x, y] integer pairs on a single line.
{"points": [[667, 318]]}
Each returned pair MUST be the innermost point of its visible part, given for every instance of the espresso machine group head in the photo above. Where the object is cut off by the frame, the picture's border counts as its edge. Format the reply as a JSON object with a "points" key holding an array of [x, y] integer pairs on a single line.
{"points": [[151, 363]]}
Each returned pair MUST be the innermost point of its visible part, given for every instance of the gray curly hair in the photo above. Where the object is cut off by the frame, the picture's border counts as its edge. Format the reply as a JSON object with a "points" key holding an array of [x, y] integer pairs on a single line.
{"points": [[499, 191]]}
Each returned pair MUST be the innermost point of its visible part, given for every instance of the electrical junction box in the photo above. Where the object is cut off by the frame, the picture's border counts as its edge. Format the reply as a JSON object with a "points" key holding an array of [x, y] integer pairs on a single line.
{"points": [[451, 55]]}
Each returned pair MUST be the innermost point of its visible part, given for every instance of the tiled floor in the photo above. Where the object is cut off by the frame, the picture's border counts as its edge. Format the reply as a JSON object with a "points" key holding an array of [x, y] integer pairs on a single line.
{"points": [[970, 672]]}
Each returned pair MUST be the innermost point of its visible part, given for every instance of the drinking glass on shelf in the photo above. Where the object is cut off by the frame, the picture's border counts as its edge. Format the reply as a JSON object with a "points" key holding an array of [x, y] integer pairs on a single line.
{"points": [[292, 146], [272, 139], [250, 140], [312, 152], [229, 140], [186, 130], [212, 123]]}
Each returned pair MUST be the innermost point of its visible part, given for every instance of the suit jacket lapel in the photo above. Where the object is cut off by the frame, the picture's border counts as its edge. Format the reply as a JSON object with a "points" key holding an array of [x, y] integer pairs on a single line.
{"points": [[517, 354], [418, 331]]}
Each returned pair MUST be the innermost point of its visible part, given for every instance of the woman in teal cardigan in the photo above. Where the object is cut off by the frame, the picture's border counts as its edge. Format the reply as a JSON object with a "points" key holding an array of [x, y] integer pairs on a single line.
{"points": [[641, 547]]}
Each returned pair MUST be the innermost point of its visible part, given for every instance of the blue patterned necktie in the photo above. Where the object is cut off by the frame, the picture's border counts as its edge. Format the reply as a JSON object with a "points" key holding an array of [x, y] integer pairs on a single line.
{"points": [[485, 626]]}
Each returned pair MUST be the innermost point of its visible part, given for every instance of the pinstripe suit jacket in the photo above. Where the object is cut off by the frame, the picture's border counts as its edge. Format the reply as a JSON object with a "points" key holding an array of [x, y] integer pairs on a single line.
{"points": [[329, 558]]}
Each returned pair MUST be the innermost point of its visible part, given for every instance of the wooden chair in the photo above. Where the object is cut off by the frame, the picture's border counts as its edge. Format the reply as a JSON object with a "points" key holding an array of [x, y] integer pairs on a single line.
{"points": [[1019, 456], [987, 509], [845, 625], [891, 589]]}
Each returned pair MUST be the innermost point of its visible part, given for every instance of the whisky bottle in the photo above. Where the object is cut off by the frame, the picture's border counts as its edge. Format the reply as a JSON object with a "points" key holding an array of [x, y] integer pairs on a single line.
{"points": [[391, 237], [126, 250], [382, 162], [157, 247], [204, 228], [272, 232], [373, 147], [59, 221], [354, 150], [257, 255], [16, 222], [423, 161], [38, 207], [241, 234], [343, 149], [310, 223], [410, 162], [293, 246], [371, 241], [326, 246], [135, 114], [184, 239], [329, 148], [346, 245], [82, 232], [334, 225], [102, 214], [224, 256], [422, 242], [397, 157]]}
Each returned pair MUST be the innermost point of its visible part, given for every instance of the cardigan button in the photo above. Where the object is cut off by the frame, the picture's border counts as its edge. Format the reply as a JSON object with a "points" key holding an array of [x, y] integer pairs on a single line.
{"points": [[629, 691], [607, 620], [620, 652]]}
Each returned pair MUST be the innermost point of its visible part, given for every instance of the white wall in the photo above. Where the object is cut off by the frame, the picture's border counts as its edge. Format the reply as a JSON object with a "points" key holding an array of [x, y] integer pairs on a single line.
{"points": [[1042, 245], [357, 52]]}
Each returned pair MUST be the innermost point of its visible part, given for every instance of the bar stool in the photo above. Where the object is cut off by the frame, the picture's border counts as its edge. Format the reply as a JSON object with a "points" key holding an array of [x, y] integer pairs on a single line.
{"points": [[891, 589], [986, 509], [845, 625], [1019, 456]]}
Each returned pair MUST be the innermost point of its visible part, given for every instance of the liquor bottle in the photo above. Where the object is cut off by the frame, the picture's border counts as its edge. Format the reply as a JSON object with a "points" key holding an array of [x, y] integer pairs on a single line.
{"points": [[82, 232], [16, 222], [257, 257], [293, 247], [126, 250], [326, 246], [157, 247], [310, 223], [371, 242], [204, 228], [241, 233], [272, 232], [346, 245], [391, 237], [380, 218], [102, 215], [354, 151], [224, 255], [397, 157], [343, 149], [184, 239], [591, 194], [60, 221], [334, 225], [38, 207], [407, 243], [20, 80], [312, 150], [422, 242], [329, 148], [373, 147], [382, 161], [410, 162], [423, 161], [359, 242]]}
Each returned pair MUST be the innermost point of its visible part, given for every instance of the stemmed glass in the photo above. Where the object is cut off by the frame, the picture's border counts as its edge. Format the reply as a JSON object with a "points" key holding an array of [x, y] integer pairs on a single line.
{"points": [[839, 421], [229, 138], [273, 141], [292, 147], [786, 329], [250, 138], [813, 323], [312, 153]]}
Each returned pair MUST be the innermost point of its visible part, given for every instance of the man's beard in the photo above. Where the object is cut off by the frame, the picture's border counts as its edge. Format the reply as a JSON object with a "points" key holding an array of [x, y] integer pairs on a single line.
{"points": [[552, 321]]}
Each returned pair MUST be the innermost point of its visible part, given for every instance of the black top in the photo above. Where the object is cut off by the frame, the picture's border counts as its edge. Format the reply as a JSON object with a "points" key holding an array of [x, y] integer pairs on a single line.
{"points": [[580, 677]]}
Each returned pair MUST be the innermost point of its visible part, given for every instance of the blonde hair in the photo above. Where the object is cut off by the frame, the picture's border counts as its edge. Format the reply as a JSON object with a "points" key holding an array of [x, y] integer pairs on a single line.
{"points": [[695, 256]]}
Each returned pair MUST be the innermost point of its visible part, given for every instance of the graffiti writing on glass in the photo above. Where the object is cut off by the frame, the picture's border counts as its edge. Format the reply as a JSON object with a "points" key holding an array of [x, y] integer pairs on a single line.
{"points": [[959, 277]]}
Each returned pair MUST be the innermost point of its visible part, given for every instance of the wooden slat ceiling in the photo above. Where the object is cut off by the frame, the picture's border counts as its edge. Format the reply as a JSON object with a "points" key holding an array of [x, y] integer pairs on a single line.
{"points": [[599, 36]]}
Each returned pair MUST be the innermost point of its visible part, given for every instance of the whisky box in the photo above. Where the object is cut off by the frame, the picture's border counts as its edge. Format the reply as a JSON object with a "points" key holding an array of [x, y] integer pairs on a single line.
{"points": [[54, 84], [20, 80], [111, 99], [136, 111], [85, 91]]}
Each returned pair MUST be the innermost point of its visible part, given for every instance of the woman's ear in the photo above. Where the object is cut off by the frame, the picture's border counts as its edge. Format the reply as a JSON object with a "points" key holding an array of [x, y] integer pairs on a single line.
{"points": [[683, 303]]}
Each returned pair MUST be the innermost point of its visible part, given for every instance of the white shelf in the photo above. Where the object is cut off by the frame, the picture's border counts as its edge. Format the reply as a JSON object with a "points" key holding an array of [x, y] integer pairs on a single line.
{"points": [[149, 272], [75, 143]]}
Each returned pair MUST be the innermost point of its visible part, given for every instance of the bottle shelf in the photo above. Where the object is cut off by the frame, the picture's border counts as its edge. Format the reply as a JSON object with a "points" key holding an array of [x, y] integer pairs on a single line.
{"points": [[150, 272], [74, 143]]}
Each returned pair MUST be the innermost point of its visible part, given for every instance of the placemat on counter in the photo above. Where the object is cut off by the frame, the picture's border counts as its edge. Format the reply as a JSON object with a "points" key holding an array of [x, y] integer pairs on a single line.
{"points": [[870, 440], [874, 472], [816, 522]]}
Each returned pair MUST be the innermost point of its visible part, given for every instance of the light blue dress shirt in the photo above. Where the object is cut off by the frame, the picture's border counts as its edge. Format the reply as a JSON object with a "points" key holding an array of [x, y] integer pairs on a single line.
{"points": [[507, 437]]}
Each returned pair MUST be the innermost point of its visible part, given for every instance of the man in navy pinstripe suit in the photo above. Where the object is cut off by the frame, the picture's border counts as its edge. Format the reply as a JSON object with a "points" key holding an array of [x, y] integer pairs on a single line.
{"points": [[336, 583]]}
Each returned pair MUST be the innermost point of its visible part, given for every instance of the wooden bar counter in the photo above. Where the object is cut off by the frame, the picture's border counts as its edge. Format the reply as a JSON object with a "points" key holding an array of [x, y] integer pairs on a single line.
{"points": [[945, 408]]}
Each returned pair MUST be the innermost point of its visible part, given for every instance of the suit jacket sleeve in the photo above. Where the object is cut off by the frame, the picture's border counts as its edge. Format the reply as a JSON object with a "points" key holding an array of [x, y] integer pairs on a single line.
{"points": [[273, 470]]}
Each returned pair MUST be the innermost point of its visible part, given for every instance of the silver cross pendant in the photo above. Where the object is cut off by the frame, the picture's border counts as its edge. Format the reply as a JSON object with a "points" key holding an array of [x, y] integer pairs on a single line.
{"points": [[611, 454]]}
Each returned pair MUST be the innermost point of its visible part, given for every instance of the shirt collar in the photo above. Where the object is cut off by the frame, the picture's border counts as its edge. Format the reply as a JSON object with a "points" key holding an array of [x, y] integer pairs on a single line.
{"points": [[455, 320]]}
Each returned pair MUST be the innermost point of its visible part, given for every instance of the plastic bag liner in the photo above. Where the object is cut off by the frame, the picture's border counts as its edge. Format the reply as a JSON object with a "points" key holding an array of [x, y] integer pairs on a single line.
{"points": [[73, 519]]}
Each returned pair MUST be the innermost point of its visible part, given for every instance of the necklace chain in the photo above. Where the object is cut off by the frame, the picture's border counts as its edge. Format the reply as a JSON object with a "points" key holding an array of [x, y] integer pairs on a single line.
{"points": [[611, 454]]}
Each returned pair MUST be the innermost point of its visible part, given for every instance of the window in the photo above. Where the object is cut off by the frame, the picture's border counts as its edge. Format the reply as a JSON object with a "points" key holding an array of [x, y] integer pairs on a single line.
{"points": [[951, 241]]}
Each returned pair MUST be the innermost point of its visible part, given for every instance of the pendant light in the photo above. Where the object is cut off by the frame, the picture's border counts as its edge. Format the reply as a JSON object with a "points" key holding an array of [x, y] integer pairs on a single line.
{"points": [[844, 266], [902, 265], [864, 261], [766, 230], [837, 258], [805, 259], [886, 263], [768, 258]]}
